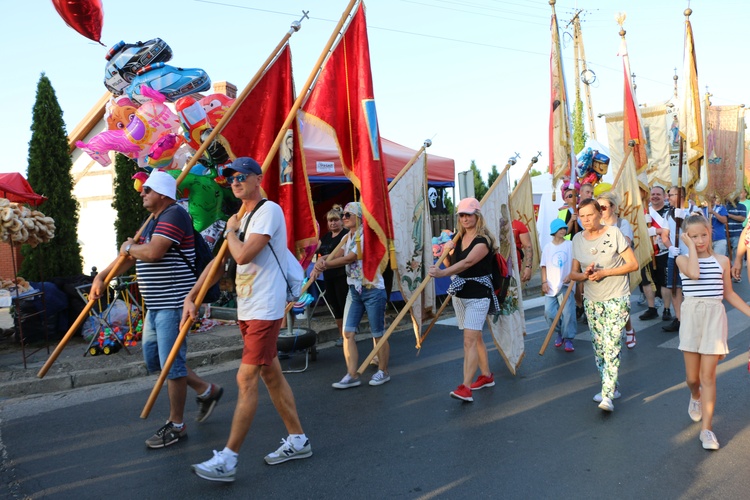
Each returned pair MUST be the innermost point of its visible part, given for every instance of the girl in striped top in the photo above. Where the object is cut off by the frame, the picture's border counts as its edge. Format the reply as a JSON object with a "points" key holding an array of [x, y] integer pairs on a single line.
{"points": [[706, 281]]}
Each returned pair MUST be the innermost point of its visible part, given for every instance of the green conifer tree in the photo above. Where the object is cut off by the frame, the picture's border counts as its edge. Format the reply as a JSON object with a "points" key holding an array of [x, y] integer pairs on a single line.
{"points": [[127, 201], [579, 131], [48, 173], [492, 177], [480, 188]]}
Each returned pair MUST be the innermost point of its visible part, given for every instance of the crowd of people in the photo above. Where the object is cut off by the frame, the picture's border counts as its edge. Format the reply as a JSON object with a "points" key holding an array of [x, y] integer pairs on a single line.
{"points": [[698, 253]]}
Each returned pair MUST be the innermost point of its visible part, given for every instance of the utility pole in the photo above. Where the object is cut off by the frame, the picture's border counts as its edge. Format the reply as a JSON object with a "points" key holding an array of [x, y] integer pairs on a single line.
{"points": [[583, 74]]}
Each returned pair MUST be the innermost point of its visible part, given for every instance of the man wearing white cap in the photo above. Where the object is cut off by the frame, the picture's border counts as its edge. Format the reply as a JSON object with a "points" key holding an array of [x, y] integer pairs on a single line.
{"points": [[155, 255]]}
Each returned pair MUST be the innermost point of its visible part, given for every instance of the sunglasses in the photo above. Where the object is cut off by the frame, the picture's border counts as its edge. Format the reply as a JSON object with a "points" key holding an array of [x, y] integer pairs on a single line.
{"points": [[605, 206], [147, 190], [569, 196], [347, 215], [238, 178]]}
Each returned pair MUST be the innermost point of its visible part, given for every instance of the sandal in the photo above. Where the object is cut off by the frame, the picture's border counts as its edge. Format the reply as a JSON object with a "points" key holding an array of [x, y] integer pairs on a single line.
{"points": [[630, 339]]}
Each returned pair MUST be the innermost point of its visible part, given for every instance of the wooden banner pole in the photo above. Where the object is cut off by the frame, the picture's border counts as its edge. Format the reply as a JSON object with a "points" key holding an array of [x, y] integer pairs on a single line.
{"points": [[556, 320]]}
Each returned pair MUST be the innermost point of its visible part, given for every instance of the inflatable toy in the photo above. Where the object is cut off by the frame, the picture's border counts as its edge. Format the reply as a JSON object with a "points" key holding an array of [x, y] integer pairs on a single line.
{"points": [[152, 120], [119, 112], [168, 80], [205, 199], [101, 144], [161, 155], [215, 106], [125, 60], [602, 187], [84, 16], [193, 118]]}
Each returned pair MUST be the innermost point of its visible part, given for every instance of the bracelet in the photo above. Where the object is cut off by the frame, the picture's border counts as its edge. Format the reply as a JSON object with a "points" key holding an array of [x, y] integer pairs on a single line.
{"points": [[127, 249], [227, 231]]}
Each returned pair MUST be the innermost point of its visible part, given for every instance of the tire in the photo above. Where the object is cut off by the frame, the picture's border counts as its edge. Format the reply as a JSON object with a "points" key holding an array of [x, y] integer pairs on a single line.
{"points": [[299, 339]]}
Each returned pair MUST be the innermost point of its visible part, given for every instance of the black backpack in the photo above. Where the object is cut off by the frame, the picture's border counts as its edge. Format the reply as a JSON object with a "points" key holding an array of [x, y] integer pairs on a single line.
{"points": [[203, 257], [501, 274]]}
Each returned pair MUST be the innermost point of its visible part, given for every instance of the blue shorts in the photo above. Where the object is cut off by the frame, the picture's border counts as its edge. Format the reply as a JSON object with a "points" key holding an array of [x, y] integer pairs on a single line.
{"points": [[670, 274], [371, 300], [160, 330]]}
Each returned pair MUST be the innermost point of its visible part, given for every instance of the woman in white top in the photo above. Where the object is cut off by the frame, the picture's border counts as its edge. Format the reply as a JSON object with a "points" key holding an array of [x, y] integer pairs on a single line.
{"points": [[364, 295]]}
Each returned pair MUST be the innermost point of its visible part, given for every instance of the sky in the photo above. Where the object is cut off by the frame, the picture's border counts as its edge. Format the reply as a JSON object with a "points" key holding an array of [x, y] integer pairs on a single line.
{"points": [[472, 76]]}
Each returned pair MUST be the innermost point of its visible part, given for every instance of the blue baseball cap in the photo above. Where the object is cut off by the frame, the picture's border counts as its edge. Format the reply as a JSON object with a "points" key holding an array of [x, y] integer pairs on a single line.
{"points": [[556, 225], [243, 165]]}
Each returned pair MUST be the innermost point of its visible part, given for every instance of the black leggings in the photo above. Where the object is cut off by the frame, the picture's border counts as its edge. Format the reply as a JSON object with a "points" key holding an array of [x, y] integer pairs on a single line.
{"points": [[336, 290]]}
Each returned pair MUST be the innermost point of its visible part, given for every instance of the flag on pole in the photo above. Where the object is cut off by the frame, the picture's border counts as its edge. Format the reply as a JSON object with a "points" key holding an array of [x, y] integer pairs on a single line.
{"points": [[631, 208], [253, 130], [561, 155], [691, 124], [632, 122], [724, 150], [412, 232], [522, 208], [509, 327], [342, 103]]}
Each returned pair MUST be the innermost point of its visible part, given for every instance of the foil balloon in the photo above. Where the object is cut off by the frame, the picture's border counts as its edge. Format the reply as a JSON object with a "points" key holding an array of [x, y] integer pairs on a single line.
{"points": [[152, 120], [119, 112], [205, 199], [138, 179], [161, 154], [215, 106], [602, 187], [84, 16], [101, 144], [193, 118]]}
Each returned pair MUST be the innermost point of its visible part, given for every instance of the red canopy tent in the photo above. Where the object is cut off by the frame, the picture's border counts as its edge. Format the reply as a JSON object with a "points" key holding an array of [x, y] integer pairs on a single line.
{"points": [[16, 188], [323, 163]]}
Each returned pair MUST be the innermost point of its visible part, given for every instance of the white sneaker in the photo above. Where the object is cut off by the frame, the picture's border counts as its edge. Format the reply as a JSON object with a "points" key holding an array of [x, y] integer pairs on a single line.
{"points": [[380, 378], [607, 405], [598, 396], [695, 410], [346, 382], [287, 452], [709, 440], [215, 469]]}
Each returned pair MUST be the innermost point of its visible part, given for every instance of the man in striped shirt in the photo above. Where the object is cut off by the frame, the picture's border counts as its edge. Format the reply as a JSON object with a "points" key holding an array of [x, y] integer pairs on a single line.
{"points": [[164, 280]]}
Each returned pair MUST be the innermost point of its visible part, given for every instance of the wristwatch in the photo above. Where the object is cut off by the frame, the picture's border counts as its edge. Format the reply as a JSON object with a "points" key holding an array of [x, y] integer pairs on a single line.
{"points": [[227, 231], [127, 248]]}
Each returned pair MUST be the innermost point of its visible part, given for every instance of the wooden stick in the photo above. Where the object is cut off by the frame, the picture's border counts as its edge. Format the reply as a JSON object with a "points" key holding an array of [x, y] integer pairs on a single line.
{"points": [[679, 204], [292, 115], [554, 322], [408, 165], [434, 320], [631, 143], [424, 283]]}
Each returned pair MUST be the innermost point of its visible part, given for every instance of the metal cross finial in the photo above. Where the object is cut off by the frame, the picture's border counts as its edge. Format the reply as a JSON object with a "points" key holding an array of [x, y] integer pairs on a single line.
{"points": [[536, 158], [512, 159], [296, 25]]}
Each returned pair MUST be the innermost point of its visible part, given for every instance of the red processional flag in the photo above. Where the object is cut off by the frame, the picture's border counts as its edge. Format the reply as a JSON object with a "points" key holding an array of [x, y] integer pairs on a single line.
{"points": [[632, 124], [342, 103], [252, 131]]}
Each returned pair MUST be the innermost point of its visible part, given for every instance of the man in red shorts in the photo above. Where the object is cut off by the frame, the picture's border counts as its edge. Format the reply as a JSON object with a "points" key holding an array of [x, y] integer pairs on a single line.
{"points": [[261, 300]]}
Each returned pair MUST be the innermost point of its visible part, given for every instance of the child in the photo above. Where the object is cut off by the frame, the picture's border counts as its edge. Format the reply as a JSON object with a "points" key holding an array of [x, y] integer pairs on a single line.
{"points": [[556, 261], [703, 326]]}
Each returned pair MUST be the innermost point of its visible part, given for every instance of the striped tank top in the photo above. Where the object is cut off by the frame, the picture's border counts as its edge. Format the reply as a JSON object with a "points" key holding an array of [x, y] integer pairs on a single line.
{"points": [[711, 281]]}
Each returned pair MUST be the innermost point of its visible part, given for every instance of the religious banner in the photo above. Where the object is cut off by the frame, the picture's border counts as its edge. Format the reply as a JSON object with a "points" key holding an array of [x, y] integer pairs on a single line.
{"points": [[724, 150], [412, 234], [632, 122], [631, 208], [654, 121], [690, 121], [509, 327], [522, 208], [253, 130], [561, 156]]}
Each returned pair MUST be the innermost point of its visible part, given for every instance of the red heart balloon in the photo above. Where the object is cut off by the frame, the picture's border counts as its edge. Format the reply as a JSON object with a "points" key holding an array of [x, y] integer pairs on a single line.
{"points": [[84, 16]]}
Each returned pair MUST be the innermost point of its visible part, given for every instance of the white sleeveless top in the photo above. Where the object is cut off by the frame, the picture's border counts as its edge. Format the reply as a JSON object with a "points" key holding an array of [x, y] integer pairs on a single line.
{"points": [[711, 281]]}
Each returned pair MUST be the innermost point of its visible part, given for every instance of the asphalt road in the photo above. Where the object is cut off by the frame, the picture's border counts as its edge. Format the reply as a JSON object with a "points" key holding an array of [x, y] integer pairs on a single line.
{"points": [[535, 435]]}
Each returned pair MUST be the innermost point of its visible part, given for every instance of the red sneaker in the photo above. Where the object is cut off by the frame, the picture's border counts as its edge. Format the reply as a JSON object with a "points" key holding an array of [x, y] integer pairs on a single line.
{"points": [[463, 393], [483, 382]]}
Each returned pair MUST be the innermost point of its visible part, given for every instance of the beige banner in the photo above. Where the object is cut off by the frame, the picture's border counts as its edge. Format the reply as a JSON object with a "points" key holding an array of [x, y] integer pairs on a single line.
{"points": [[522, 208]]}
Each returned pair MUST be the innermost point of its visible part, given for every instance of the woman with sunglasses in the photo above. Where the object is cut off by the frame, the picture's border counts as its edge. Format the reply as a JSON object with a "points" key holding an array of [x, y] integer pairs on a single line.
{"points": [[336, 286], [471, 271], [364, 295], [603, 259], [609, 202]]}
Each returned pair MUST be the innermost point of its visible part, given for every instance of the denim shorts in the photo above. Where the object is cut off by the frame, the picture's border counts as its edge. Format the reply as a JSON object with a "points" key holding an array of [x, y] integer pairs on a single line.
{"points": [[160, 330], [371, 300]]}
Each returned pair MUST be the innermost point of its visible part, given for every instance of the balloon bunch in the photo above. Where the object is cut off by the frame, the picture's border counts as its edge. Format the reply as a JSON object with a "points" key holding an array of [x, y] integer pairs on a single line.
{"points": [[591, 166]]}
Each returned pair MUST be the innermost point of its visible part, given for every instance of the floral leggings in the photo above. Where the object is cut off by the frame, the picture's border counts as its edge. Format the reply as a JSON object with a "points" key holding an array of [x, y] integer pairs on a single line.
{"points": [[606, 321]]}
